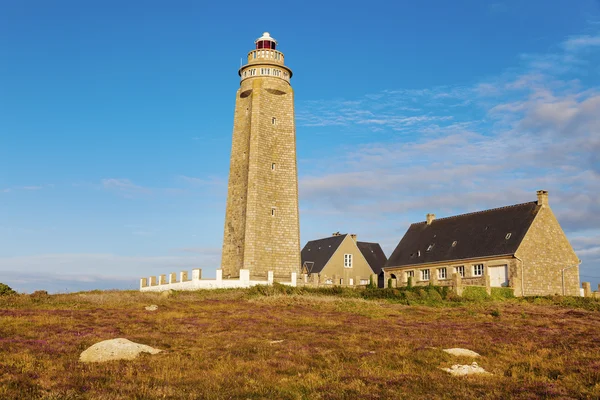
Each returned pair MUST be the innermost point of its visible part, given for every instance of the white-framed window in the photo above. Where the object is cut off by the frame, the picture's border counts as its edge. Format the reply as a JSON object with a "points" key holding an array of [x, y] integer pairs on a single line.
{"points": [[424, 274], [273, 166], [341, 281], [274, 121], [347, 260], [441, 273], [350, 281], [410, 274], [272, 211], [461, 271], [364, 281], [478, 270], [329, 281]]}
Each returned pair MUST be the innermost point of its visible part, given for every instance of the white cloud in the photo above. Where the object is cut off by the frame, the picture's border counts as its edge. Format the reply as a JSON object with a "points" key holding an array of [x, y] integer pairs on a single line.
{"points": [[124, 186], [194, 181], [577, 43], [534, 129]]}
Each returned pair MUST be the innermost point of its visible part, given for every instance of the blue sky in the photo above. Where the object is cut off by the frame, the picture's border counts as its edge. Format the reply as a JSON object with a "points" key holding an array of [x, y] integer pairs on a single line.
{"points": [[116, 121]]}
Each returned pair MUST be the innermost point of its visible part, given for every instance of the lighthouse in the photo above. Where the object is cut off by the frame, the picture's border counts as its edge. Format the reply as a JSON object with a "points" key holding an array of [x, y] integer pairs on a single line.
{"points": [[262, 231]]}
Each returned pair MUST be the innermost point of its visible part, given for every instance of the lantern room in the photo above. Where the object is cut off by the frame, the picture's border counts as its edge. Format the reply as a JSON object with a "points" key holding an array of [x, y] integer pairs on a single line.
{"points": [[266, 42]]}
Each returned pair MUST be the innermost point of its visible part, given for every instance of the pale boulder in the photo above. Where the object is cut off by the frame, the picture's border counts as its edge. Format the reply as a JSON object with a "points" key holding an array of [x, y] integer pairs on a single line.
{"points": [[463, 370], [115, 349], [457, 351]]}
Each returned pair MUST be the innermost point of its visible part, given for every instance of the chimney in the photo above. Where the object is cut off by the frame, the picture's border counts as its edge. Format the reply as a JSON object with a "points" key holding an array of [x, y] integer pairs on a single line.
{"points": [[353, 236], [430, 218], [542, 196]]}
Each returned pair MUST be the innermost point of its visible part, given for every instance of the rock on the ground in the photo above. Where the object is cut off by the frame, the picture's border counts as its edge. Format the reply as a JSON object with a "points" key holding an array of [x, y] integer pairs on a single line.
{"points": [[457, 351], [462, 370], [115, 349], [152, 307], [167, 293]]}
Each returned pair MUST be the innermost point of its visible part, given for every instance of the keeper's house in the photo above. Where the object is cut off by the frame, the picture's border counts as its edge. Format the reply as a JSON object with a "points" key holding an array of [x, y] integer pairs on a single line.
{"points": [[520, 246], [342, 260]]}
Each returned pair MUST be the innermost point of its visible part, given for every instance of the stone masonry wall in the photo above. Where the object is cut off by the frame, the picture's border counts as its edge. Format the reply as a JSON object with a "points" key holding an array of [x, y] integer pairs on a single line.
{"points": [[545, 252], [262, 225], [235, 215], [335, 270]]}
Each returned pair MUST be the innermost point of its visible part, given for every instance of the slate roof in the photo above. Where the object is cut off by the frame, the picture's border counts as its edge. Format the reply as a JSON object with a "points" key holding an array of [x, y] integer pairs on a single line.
{"points": [[373, 254], [478, 234], [320, 251]]}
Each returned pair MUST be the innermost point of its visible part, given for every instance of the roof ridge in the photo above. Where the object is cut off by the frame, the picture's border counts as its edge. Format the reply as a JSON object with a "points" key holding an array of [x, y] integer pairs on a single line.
{"points": [[477, 212], [325, 238]]}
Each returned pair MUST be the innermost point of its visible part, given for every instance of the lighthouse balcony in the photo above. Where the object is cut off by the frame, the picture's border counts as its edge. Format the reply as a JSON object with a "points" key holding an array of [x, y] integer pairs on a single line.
{"points": [[265, 54]]}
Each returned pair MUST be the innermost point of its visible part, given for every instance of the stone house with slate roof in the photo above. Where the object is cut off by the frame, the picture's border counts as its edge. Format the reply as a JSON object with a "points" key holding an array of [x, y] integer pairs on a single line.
{"points": [[520, 246], [341, 260]]}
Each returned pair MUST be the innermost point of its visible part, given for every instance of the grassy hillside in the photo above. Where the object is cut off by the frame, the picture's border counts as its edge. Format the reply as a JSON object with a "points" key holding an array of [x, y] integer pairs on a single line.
{"points": [[291, 344]]}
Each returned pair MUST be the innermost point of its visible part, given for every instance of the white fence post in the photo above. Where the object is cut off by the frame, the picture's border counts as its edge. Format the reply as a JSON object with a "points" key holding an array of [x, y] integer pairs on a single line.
{"points": [[293, 279], [196, 274], [244, 277], [219, 278]]}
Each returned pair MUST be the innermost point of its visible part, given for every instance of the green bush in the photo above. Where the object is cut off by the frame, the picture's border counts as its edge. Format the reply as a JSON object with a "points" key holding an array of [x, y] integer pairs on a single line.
{"points": [[475, 293], [500, 293], [6, 290], [274, 289]]}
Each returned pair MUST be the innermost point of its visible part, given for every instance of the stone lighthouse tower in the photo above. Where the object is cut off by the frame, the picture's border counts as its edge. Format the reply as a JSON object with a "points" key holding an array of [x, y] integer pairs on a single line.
{"points": [[261, 220]]}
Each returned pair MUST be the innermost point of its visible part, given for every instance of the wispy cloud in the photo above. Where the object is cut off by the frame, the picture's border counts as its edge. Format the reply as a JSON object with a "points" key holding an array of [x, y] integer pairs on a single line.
{"points": [[533, 127], [577, 43], [195, 181], [124, 186], [29, 188]]}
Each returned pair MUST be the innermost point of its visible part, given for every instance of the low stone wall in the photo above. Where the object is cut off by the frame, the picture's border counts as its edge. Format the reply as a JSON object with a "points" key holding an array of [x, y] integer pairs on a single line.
{"points": [[456, 283], [586, 290], [318, 280], [160, 283]]}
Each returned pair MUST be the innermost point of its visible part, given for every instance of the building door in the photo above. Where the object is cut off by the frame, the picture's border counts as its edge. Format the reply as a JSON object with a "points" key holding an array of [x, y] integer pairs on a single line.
{"points": [[498, 275]]}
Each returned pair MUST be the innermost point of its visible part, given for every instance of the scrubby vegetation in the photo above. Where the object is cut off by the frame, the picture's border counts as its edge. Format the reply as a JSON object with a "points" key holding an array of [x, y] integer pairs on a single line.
{"points": [[6, 290], [290, 343]]}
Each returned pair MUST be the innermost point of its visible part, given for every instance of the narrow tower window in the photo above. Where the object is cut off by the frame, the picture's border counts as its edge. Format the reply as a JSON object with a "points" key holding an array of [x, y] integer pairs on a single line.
{"points": [[272, 211], [274, 121], [273, 166]]}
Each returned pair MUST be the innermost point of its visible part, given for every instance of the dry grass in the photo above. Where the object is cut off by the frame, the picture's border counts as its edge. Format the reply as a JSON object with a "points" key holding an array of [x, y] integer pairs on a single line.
{"points": [[240, 344]]}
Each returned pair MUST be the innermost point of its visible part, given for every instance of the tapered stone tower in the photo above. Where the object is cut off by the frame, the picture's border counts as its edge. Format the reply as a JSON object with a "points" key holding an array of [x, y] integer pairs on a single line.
{"points": [[261, 221]]}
